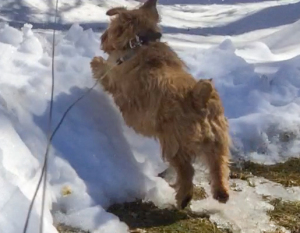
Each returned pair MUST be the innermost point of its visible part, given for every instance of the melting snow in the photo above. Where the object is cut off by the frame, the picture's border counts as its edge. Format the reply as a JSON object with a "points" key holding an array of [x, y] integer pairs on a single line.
{"points": [[97, 157]]}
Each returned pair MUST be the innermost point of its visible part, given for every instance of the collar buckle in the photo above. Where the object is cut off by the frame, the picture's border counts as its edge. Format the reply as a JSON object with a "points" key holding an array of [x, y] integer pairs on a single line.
{"points": [[133, 43]]}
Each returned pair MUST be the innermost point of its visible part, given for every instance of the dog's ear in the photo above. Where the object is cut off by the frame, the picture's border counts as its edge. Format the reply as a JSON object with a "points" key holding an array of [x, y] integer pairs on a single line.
{"points": [[115, 11], [150, 6], [150, 3]]}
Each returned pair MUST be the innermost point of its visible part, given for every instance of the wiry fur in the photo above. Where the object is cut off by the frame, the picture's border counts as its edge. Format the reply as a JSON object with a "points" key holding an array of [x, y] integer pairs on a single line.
{"points": [[159, 98]]}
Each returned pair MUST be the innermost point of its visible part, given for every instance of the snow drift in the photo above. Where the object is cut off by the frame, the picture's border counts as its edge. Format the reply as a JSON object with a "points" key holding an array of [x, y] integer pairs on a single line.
{"points": [[99, 159]]}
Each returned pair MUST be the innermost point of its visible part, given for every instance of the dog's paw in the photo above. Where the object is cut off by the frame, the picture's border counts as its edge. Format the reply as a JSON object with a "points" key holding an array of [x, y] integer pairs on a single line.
{"points": [[97, 63], [184, 197], [184, 203], [221, 195], [98, 60]]}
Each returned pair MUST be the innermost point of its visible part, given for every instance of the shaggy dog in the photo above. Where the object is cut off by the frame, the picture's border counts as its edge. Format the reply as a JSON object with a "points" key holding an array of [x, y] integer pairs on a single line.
{"points": [[159, 98]]}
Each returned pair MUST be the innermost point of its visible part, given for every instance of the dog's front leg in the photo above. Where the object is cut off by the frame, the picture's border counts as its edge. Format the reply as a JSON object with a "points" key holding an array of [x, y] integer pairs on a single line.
{"points": [[100, 70]]}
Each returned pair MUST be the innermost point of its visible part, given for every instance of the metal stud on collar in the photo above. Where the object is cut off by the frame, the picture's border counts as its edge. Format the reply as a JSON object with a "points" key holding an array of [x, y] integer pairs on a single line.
{"points": [[133, 43]]}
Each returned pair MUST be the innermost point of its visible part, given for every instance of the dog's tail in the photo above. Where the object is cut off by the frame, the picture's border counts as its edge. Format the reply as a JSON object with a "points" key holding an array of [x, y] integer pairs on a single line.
{"points": [[201, 93]]}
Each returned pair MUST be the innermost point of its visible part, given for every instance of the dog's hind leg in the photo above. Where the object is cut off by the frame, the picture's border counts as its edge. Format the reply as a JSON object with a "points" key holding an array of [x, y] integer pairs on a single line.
{"points": [[184, 182], [217, 159]]}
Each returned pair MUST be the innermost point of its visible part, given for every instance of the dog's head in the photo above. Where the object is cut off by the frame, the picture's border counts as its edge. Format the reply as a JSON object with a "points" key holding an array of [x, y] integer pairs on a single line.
{"points": [[126, 24]]}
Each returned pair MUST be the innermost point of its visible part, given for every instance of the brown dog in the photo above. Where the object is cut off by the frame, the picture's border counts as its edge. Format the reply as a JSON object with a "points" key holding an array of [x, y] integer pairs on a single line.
{"points": [[159, 98]]}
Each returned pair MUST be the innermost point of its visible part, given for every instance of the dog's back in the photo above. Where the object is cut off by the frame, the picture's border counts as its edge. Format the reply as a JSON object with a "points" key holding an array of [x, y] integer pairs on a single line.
{"points": [[154, 88], [151, 87]]}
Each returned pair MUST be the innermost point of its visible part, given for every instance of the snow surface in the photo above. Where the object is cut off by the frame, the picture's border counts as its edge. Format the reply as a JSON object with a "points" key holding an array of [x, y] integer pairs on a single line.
{"points": [[253, 59]]}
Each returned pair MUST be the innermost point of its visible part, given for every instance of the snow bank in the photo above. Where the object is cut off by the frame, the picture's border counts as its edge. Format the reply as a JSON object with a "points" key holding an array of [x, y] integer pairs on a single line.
{"points": [[263, 111], [285, 41], [90, 155], [286, 37], [10, 35], [96, 157]]}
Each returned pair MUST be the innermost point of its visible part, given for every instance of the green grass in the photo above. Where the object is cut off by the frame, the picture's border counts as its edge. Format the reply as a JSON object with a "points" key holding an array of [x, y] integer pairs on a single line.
{"points": [[286, 214], [145, 217], [67, 229], [287, 174], [199, 193]]}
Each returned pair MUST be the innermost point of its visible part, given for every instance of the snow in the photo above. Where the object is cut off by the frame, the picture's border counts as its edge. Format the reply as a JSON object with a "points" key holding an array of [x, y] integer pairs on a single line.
{"points": [[10, 35], [255, 67], [30, 43], [24, 114]]}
